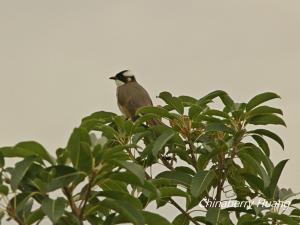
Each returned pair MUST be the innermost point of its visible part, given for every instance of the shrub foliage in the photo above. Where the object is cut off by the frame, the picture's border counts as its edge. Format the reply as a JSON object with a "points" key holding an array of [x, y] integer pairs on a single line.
{"points": [[112, 168]]}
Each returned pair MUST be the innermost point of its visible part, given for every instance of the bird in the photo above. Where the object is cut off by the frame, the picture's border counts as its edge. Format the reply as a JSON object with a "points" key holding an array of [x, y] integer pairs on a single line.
{"points": [[131, 96]]}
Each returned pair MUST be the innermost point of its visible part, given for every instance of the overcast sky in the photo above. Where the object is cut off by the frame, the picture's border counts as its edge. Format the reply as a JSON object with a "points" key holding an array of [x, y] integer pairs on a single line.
{"points": [[56, 57]]}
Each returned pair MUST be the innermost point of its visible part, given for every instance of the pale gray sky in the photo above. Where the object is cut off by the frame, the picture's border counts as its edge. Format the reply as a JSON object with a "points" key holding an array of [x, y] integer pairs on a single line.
{"points": [[56, 57]]}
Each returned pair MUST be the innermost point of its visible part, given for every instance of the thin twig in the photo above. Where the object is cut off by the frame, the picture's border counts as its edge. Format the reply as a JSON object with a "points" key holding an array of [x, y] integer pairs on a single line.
{"points": [[184, 212]]}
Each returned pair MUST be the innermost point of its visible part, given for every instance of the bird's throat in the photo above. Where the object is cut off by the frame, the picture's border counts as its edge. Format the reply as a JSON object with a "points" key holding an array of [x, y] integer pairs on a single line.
{"points": [[119, 83]]}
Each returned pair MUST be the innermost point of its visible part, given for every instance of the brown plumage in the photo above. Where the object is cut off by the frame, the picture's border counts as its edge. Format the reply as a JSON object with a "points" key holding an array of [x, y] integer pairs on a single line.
{"points": [[131, 95]]}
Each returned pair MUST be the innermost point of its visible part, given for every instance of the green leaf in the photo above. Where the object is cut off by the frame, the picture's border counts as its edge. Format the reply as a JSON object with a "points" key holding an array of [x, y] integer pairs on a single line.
{"points": [[255, 182], [201, 182], [63, 180], [219, 127], [161, 141], [227, 101], [54, 209], [34, 216], [214, 112], [126, 210], [155, 219], [161, 112], [100, 117], [266, 120], [174, 102], [134, 168], [38, 149], [25, 149], [246, 219], [295, 212], [16, 152], [172, 191], [20, 170], [181, 219], [21, 201], [120, 196], [258, 154], [283, 218], [217, 216], [3, 190], [269, 134], [262, 144], [177, 176], [79, 149], [261, 98], [249, 161], [2, 162], [187, 100], [275, 177], [115, 185], [107, 131], [262, 110]]}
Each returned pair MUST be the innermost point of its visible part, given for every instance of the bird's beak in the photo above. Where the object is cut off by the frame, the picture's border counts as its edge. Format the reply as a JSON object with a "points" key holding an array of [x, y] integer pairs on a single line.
{"points": [[113, 78]]}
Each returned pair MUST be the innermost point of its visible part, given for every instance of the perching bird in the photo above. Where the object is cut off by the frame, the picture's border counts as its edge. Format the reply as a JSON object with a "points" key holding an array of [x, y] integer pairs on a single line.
{"points": [[131, 95]]}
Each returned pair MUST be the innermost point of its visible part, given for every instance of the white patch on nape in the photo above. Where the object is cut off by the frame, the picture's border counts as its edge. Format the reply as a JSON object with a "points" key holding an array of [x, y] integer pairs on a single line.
{"points": [[119, 83], [128, 73]]}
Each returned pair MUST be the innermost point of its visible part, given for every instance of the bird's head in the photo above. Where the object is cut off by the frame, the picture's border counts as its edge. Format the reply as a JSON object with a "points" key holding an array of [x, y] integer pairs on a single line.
{"points": [[123, 77]]}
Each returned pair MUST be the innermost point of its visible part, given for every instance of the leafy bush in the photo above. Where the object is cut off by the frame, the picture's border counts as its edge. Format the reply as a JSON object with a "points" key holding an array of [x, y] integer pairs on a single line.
{"points": [[107, 173]]}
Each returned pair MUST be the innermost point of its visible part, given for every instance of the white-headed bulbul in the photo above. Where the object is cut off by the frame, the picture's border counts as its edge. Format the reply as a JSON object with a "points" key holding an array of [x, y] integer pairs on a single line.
{"points": [[131, 95]]}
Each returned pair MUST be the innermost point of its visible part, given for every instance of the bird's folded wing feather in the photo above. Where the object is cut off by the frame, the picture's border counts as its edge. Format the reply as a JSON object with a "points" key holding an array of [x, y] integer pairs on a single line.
{"points": [[133, 96]]}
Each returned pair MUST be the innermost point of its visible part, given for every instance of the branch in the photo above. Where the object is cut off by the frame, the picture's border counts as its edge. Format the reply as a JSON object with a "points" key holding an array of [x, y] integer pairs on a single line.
{"points": [[184, 212], [193, 154], [86, 198], [73, 206]]}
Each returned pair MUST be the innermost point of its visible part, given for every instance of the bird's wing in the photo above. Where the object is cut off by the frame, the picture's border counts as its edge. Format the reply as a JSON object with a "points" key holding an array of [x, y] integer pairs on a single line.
{"points": [[131, 97]]}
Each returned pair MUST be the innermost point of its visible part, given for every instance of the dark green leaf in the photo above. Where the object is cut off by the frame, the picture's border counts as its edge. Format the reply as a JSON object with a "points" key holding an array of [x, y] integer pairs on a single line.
{"points": [[120, 196], [266, 120], [174, 102], [201, 182], [260, 98], [262, 110], [161, 141], [172, 191], [217, 216], [126, 210], [269, 134], [177, 176], [262, 144], [37, 149], [79, 150], [159, 111], [3, 190], [34, 216], [54, 209], [249, 161], [181, 219], [187, 100], [25, 149], [275, 177], [2, 162], [219, 127], [155, 219], [255, 182], [283, 218], [63, 180], [134, 168], [20, 170]]}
